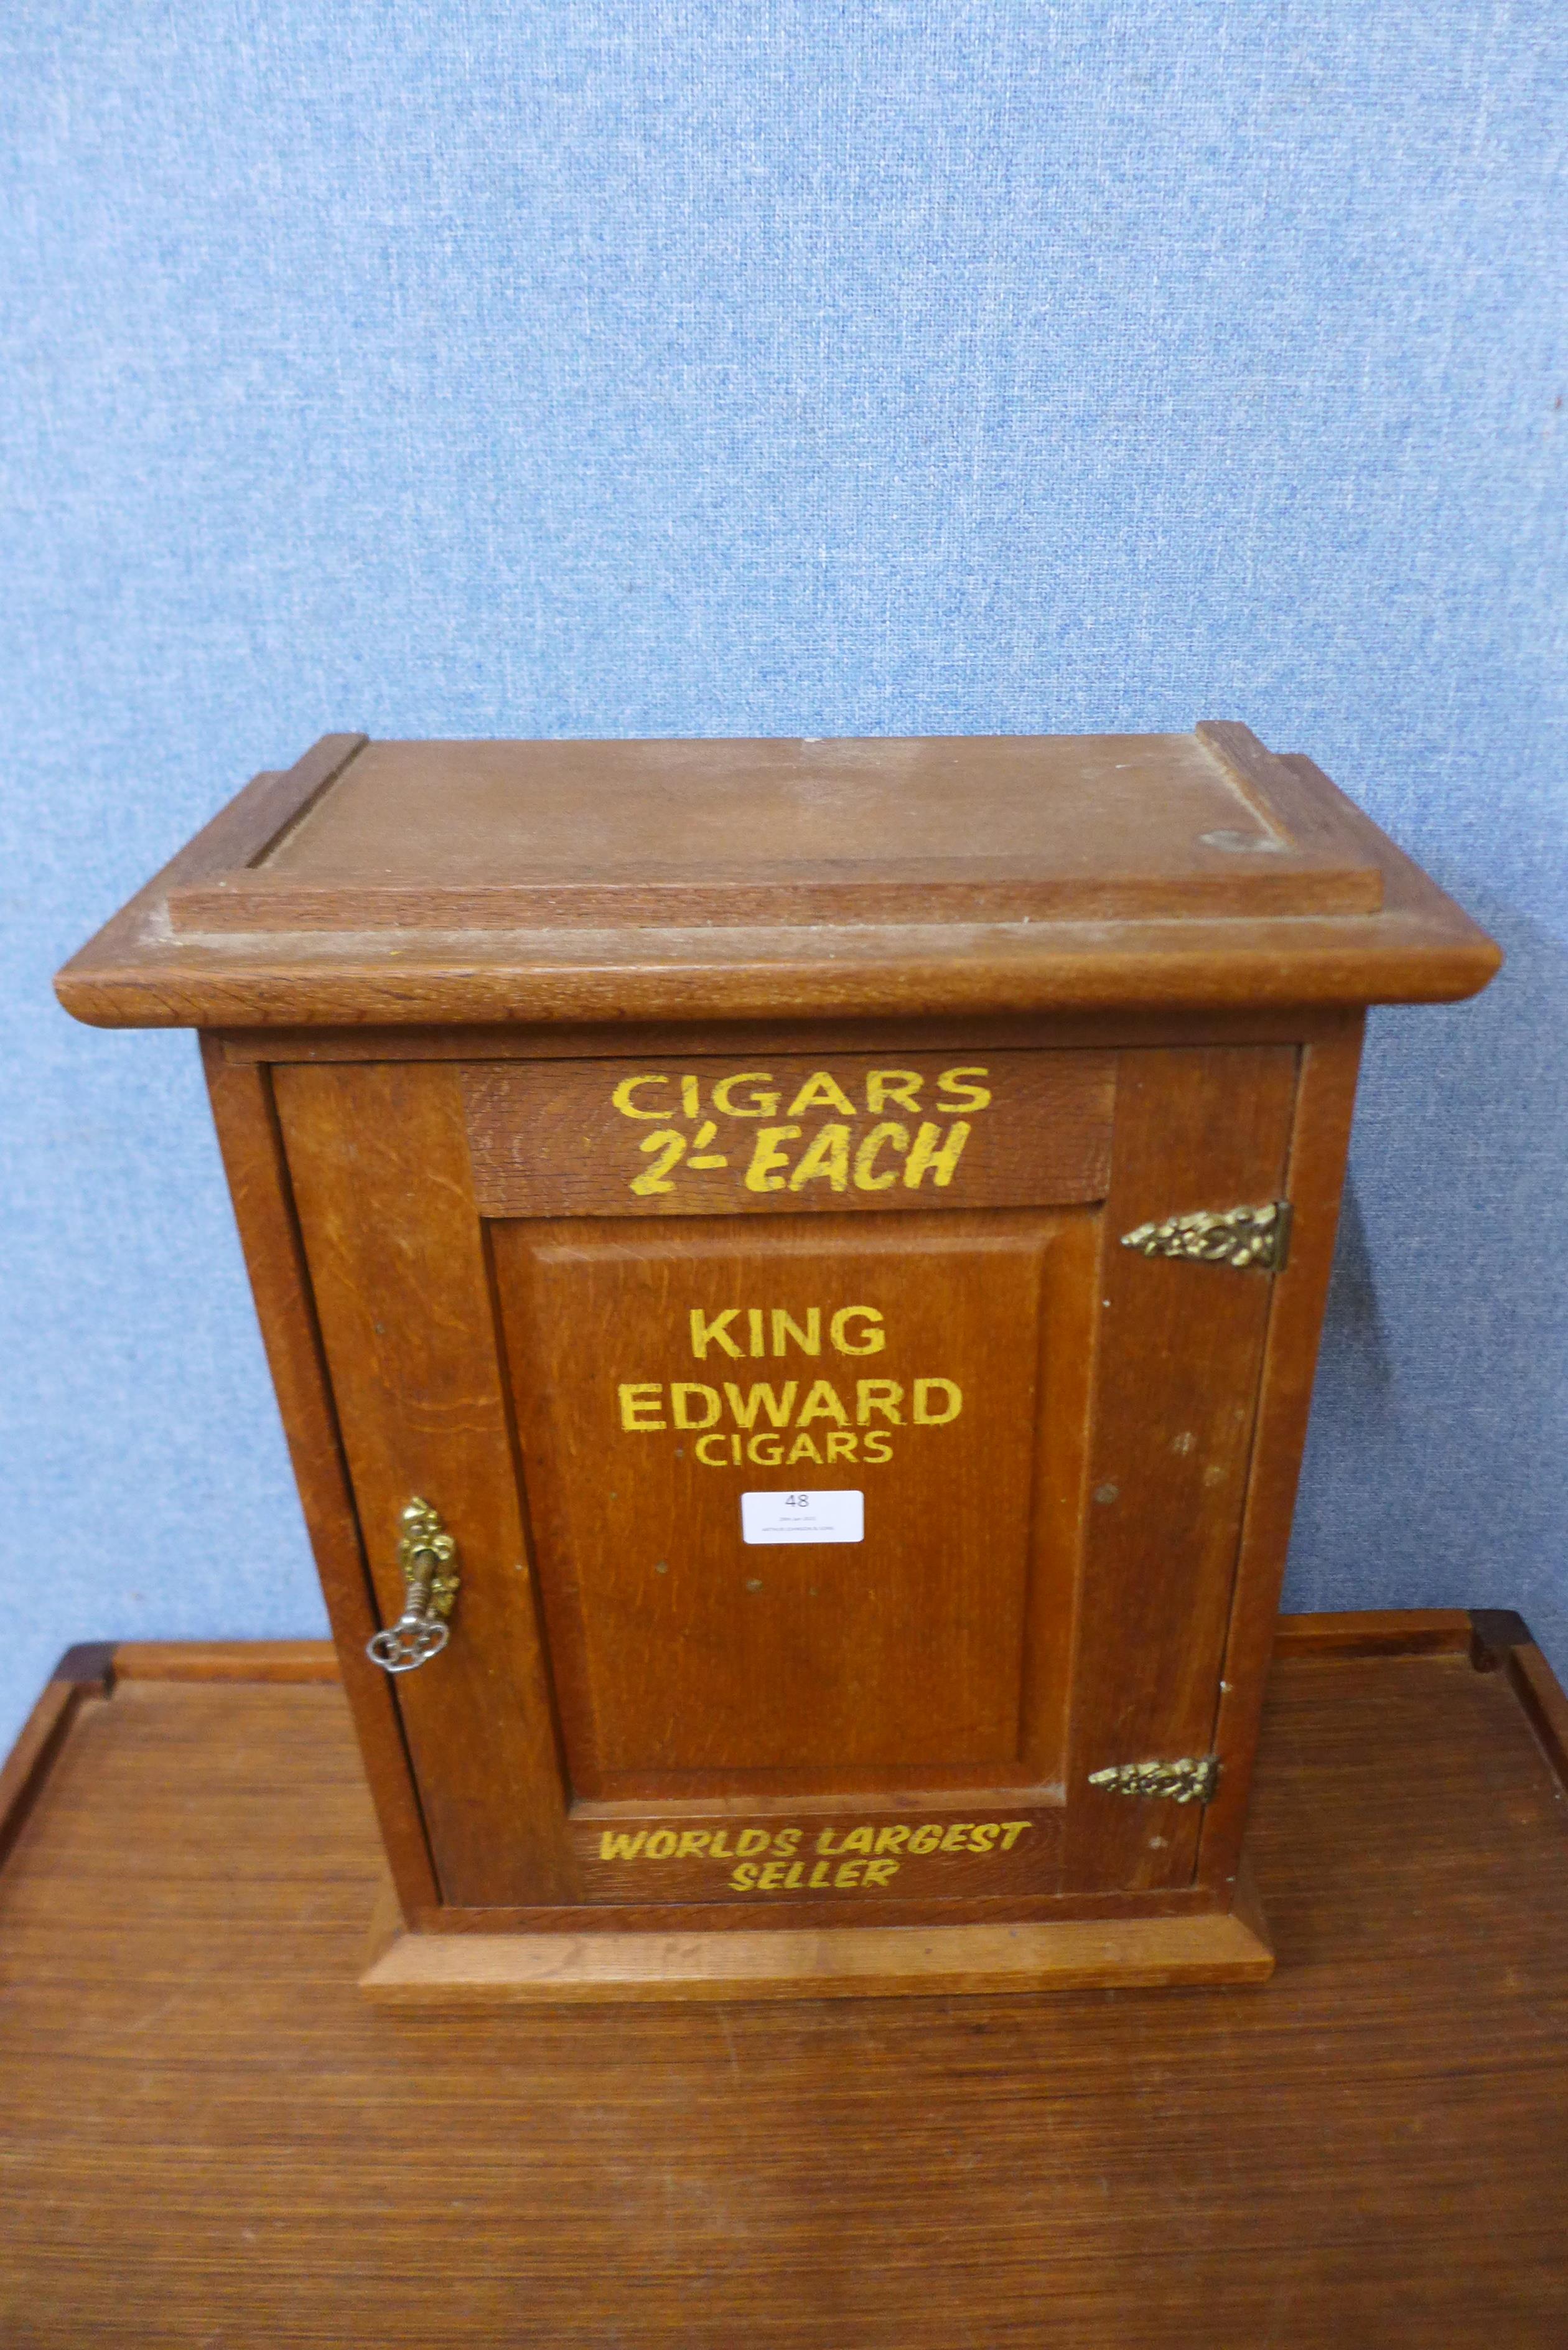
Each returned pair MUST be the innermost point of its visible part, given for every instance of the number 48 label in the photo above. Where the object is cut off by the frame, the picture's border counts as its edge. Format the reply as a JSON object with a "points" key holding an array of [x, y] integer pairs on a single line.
{"points": [[834, 1517]]}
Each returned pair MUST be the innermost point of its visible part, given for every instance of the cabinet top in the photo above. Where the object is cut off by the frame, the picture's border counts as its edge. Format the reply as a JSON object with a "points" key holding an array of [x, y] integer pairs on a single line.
{"points": [[396, 883]]}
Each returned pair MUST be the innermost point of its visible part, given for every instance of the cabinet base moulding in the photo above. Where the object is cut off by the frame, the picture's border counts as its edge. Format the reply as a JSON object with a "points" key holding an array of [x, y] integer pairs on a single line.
{"points": [[407, 1969]]}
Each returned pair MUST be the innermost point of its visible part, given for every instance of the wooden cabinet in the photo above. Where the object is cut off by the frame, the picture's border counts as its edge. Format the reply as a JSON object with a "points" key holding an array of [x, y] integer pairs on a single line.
{"points": [[837, 1236]]}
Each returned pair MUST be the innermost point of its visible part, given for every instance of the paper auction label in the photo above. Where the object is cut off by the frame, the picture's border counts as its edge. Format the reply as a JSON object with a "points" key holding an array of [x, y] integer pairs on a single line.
{"points": [[834, 1517]]}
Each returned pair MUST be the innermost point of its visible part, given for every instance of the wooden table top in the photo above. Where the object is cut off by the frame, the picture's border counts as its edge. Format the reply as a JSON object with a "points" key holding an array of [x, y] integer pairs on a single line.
{"points": [[211, 2137]]}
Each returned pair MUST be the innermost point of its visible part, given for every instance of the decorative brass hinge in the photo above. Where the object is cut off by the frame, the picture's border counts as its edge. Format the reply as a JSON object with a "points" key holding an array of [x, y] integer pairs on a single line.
{"points": [[1245, 1237], [1192, 1780]]}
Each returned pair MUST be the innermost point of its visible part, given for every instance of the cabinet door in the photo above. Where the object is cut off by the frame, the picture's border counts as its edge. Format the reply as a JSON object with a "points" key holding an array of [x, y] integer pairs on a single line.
{"points": [[833, 1493]]}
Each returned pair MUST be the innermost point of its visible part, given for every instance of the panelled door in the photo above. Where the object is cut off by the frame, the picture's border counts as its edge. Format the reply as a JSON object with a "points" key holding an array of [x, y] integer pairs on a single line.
{"points": [[833, 1495]]}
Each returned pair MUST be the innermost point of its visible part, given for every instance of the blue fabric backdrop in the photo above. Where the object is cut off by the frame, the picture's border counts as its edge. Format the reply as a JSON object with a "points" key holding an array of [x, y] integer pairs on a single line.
{"points": [[764, 367]]}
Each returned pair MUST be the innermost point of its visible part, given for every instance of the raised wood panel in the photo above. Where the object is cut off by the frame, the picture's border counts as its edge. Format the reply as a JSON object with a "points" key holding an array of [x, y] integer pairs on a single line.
{"points": [[475, 835], [679, 1135], [662, 1372]]}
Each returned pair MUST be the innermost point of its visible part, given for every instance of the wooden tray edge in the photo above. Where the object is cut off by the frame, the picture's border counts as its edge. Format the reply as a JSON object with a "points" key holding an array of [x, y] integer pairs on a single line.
{"points": [[1394, 1631], [1495, 1639], [83, 1672]]}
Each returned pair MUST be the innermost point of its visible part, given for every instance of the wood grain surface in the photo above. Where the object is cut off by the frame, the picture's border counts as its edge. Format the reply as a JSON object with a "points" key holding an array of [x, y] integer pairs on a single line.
{"points": [[689, 1663], [211, 2138], [245, 1113], [1319, 1140], [1190, 1946], [953, 1037], [477, 836], [1171, 1448], [1050, 1436], [1140, 911], [685, 1136], [402, 1295]]}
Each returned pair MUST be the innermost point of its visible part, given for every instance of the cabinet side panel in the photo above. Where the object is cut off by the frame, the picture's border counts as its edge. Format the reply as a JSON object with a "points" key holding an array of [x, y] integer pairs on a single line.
{"points": [[1180, 1355], [1319, 1145], [402, 1289], [248, 1138]]}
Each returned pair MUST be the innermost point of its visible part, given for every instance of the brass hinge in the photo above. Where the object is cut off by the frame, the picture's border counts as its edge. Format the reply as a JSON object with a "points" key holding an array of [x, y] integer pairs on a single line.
{"points": [[1243, 1237], [1192, 1780]]}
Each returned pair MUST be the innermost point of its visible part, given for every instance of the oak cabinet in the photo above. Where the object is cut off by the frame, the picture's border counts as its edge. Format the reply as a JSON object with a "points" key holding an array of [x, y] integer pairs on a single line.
{"points": [[792, 1274]]}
